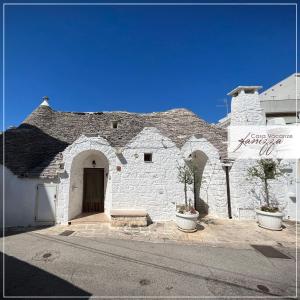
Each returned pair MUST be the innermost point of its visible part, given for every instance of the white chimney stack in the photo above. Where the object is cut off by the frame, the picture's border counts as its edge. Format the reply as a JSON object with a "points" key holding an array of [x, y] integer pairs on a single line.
{"points": [[245, 106]]}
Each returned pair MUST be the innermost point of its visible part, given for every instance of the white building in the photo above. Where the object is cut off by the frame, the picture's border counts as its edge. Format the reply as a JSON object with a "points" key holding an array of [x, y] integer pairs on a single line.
{"points": [[60, 164], [246, 109], [281, 100]]}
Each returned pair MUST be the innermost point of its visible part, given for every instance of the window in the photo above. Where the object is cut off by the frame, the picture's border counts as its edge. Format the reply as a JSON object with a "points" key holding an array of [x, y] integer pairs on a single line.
{"points": [[148, 157], [249, 91], [114, 124]]}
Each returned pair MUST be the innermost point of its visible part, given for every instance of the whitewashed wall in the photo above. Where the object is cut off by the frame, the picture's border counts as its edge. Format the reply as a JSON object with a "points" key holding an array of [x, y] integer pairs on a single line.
{"points": [[155, 187], [84, 160], [246, 195], [19, 199], [246, 110], [152, 186], [213, 186], [76, 157]]}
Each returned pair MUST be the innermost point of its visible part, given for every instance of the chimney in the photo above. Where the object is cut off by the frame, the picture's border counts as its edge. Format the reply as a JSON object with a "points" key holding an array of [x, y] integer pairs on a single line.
{"points": [[245, 106], [45, 101]]}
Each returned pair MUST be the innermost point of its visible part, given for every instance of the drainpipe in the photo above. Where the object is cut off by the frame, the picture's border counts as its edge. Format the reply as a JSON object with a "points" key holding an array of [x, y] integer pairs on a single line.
{"points": [[227, 165]]}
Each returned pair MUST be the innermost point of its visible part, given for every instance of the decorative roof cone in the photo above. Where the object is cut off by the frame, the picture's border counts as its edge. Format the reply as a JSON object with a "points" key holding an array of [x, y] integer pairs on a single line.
{"points": [[45, 101]]}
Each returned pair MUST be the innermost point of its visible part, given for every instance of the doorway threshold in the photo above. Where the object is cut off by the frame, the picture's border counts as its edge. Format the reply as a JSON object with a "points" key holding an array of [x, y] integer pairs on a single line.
{"points": [[88, 218]]}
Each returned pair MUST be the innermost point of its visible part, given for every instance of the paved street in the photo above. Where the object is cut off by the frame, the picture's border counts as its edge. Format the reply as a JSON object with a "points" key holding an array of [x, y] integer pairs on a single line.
{"points": [[39, 264], [210, 230]]}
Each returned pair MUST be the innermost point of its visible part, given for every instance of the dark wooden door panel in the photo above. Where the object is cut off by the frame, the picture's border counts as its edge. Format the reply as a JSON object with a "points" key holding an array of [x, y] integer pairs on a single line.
{"points": [[93, 191]]}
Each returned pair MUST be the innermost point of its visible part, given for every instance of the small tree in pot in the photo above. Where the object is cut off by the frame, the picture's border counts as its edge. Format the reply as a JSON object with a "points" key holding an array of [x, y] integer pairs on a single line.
{"points": [[186, 215], [268, 215]]}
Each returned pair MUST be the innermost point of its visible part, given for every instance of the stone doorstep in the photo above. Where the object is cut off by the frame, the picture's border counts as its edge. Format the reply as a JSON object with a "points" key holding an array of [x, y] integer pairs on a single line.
{"points": [[128, 217], [128, 213], [121, 221]]}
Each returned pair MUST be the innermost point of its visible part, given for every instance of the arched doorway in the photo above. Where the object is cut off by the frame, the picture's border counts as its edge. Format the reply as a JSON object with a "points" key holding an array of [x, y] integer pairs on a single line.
{"points": [[88, 183], [197, 161], [212, 196]]}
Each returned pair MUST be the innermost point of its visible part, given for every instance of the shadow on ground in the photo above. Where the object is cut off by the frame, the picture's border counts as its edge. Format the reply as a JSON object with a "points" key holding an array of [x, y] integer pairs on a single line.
{"points": [[23, 279], [17, 230]]}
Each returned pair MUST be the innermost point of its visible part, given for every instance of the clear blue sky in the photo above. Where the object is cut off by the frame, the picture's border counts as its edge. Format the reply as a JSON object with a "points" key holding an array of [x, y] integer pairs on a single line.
{"points": [[142, 59]]}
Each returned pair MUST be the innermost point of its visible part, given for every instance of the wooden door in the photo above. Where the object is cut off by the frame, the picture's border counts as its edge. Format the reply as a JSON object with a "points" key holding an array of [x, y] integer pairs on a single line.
{"points": [[93, 190]]}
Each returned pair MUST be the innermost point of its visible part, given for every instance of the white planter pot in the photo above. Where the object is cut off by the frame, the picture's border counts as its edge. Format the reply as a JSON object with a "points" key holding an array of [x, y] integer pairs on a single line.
{"points": [[187, 223], [269, 220]]}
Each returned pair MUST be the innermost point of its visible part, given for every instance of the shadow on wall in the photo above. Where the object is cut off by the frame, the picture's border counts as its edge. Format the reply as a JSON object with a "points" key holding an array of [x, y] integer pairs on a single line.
{"points": [[198, 162], [28, 150], [23, 279], [202, 207]]}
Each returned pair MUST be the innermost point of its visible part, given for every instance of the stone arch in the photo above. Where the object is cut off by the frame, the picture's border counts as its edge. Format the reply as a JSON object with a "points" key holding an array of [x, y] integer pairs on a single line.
{"points": [[77, 156], [86, 159], [200, 144], [210, 196]]}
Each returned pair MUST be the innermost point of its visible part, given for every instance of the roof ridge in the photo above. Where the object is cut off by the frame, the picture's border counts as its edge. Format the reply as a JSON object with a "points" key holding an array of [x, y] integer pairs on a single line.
{"points": [[124, 112], [51, 132]]}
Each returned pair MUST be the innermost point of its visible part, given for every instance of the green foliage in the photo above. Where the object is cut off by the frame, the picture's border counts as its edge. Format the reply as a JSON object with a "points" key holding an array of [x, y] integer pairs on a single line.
{"points": [[181, 209], [265, 170], [188, 175], [269, 209], [185, 174]]}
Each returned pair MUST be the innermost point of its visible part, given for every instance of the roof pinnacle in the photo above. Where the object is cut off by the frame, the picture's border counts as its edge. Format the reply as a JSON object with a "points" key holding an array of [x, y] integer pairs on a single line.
{"points": [[45, 101]]}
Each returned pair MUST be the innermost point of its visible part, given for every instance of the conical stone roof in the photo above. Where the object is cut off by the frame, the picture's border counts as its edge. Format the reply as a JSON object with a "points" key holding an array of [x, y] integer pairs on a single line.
{"points": [[34, 148]]}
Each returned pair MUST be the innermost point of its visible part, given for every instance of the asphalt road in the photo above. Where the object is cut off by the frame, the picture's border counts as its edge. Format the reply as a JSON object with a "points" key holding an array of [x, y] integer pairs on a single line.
{"points": [[39, 265]]}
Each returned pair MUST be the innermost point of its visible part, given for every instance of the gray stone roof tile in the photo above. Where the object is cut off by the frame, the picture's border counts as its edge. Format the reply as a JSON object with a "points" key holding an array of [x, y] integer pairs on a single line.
{"points": [[34, 148]]}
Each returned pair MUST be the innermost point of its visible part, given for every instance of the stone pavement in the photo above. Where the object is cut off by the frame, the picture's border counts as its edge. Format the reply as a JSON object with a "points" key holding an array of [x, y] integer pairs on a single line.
{"points": [[210, 230], [44, 265]]}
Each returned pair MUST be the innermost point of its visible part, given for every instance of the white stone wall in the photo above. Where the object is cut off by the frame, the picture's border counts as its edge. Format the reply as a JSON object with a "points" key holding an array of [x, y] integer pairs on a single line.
{"points": [[20, 196], [81, 161], [246, 195], [152, 186], [213, 185], [246, 110], [70, 187], [132, 183]]}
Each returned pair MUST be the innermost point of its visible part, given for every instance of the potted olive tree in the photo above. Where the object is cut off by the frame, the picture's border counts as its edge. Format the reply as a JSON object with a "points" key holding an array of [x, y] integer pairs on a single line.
{"points": [[186, 215], [268, 214]]}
